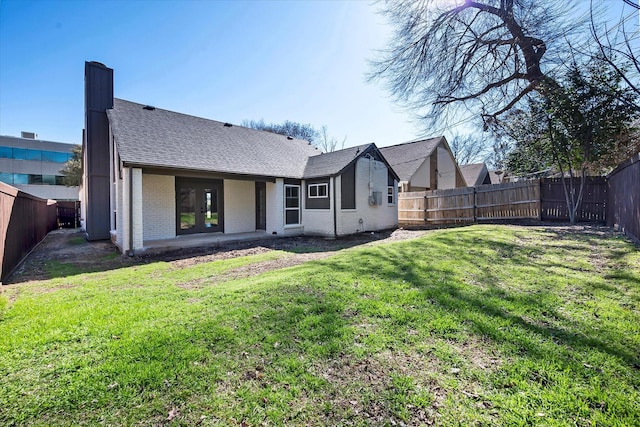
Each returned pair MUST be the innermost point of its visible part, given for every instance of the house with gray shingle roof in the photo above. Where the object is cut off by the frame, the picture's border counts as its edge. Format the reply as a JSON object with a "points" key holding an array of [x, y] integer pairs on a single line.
{"points": [[152, 174], [424, 164], [475, 174]]}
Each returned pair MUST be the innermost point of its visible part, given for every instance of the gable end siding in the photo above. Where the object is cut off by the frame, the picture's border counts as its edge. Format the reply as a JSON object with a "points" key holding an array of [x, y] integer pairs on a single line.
{"points": [[348, 188], [317, 203]]}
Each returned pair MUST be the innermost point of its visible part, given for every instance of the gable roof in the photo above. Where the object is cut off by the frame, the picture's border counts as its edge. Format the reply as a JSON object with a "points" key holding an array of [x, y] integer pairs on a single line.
{"points": [[166, 139], [406, 158], [332, 163], [474, 173]]}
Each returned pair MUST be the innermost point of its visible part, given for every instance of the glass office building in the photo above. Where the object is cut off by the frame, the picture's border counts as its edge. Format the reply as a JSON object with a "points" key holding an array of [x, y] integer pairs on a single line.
{"points": [[33, 166]]}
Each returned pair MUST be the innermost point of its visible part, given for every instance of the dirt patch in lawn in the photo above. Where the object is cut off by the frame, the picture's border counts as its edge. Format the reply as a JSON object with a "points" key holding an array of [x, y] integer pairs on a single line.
{"points": [[66, 252]]}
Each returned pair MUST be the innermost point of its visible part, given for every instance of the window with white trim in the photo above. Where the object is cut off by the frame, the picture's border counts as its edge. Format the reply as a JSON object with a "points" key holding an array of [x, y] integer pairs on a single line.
{"points": [[318, 191], [391, 200], [291, 204]]}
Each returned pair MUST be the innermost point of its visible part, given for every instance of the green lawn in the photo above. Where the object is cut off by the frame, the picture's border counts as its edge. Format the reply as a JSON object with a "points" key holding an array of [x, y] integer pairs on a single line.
{"points": [[483, 325]]}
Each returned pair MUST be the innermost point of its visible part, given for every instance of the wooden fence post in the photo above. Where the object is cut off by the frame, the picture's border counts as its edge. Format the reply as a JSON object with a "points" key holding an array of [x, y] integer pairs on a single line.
{"points": [[475, 206], [540, 199], [426, 206]]}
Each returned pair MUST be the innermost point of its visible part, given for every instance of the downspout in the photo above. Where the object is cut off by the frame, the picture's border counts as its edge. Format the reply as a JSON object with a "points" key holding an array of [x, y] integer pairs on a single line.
{"points": [[335, 209], [131, 253]]}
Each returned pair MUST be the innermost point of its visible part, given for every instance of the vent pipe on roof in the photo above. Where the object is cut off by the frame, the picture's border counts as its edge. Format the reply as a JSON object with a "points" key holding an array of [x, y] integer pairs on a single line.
{"points": [[149, 107], [28, 135], [289, 138], [228, 125]]}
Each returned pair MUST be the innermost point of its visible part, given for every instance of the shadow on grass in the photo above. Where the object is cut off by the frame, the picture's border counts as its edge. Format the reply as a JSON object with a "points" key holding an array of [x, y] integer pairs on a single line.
{"points": [[68, 253], [491, 309], [259, 342]]}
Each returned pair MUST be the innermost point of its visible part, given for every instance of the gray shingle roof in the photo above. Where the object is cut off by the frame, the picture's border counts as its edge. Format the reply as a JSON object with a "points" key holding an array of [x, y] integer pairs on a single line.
{"points": [[329, 164], [472, 173], [162, 138], [406, 158]]}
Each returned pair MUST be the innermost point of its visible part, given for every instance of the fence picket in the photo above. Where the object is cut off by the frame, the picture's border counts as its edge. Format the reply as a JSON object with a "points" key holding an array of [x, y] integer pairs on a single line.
{"points": [[530, 199]]}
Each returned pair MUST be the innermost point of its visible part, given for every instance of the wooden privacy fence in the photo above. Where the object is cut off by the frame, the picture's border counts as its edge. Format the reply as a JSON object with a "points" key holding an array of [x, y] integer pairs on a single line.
{"points": [[531, 199], [68, 214], [594, 200], [24, 221], [623, 185]]}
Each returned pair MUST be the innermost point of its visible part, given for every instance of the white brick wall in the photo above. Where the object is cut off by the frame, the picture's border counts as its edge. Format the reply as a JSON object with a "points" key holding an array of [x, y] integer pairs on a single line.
{"points": [[136, 197], [239, 206], [159, 206], [318, 221], [118, 196], [275, 207], [377, 217]]}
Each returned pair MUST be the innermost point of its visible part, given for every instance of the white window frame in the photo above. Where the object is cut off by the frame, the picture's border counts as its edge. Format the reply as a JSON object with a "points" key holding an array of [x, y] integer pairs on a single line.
{"points": [[286, 209], [317, 187], [391, 194]]}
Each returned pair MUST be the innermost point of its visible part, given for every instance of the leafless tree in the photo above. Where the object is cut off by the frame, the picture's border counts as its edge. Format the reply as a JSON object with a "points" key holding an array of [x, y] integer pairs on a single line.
{"points": [[619, 44], [328, 143], [298, 130], [481, 56], [319, 138], [471, 148]]}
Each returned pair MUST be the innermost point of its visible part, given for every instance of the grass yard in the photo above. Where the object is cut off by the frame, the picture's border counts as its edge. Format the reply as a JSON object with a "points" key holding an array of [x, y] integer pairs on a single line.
{"points": [[483, 325]]}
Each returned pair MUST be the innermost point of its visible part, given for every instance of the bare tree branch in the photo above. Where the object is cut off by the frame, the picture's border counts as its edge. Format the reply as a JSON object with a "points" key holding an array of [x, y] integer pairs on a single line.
{"points": [[481, 55]]}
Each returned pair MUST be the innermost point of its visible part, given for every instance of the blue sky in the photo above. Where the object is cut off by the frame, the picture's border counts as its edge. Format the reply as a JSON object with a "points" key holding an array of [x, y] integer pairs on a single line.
{"points": [[225, 60], [228, 61]]}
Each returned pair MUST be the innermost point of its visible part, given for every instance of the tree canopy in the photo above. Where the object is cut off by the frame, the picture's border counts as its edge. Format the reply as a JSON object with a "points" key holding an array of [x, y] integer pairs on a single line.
{"points": [[581, 127], [72, 170]]}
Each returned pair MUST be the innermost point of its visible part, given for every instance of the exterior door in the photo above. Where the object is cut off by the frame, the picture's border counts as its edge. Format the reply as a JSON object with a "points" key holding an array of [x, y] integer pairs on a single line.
{"points": [[261, 206], [198, 206]]}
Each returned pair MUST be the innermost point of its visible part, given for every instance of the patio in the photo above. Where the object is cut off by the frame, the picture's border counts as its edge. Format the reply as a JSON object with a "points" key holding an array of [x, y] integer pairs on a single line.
{"points": [[203, 240]]}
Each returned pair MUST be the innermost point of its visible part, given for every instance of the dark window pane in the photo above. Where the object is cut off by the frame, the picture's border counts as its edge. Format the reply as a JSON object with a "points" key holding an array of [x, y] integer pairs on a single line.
{"points": [[187, 199], [7, 178], [26, 154], [59, 180], [292, 217], [54, 156], [292, 199], [35, 179], [6, 153], [20, 178], [49, 179]]}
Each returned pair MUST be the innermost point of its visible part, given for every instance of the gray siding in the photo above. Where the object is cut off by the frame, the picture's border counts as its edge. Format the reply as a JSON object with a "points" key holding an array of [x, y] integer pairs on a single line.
{"points": [[98, 98], [317, 203]]}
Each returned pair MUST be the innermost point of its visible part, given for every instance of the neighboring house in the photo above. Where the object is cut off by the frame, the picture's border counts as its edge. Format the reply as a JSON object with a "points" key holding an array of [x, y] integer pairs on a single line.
{"points": [[497, 177], [475, 174], [33, 166], [152, 174], [425, 164]]}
